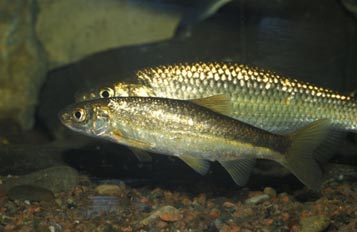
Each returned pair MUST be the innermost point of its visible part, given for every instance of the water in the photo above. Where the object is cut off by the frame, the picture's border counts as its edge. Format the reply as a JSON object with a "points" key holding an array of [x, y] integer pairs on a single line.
{"points": [[100, 41]]}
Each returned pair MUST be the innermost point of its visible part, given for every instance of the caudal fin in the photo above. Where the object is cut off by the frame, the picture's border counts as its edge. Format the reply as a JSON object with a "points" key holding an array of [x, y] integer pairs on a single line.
{"points": [[325, 151], [300, 160]]}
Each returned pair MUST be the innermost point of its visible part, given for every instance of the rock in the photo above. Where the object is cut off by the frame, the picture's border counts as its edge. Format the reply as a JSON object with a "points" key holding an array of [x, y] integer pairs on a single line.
{"points": [[143, 207], [211, 228], [170, 217], [218, 223], [167, 212], [229, 204], [53, 228], [20, 159], [116, 23], [109, 190], [56, 179], [23, 64], [314, 223], [3, 195], [71, 204], [257, 199], [214, 213], [31, 193], [100, 204], [270, 191]]}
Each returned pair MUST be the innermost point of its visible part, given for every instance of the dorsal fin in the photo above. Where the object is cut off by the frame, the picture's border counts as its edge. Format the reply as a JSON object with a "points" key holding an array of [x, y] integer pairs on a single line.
{"points": [[217, 103]]}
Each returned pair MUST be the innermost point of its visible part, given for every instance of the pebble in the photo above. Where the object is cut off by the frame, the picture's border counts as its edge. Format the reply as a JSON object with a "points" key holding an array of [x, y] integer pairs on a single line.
{"points": [[314, 223], [270, 191], [57, 227], [71, 204], [354, 187], [2, 192], [166, 213], [218, 223], [143, 207], [58, 201], [257, 199], [214, 213], [170, 217], [51, 229], [228, 204], [109, 190], [104, 204], [10, 207]]}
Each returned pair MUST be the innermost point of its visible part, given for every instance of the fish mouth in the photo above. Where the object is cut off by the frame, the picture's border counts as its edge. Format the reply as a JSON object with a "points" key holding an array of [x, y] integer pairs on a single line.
{"points": [[64, 117], [82, 95], [67, 120]]}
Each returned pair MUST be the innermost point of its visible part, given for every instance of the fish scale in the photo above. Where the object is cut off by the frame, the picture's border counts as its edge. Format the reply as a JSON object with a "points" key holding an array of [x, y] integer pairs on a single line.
{"points": [[258, 97]]}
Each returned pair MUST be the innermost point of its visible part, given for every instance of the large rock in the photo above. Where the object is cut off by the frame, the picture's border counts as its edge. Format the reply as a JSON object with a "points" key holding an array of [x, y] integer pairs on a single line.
{"points": [[71, 30], [56, 179], [22, 61]]}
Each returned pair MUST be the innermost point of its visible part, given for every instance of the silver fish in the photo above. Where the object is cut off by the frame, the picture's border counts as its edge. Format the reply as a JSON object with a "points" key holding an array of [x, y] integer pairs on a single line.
{"points": [[197, 134]]}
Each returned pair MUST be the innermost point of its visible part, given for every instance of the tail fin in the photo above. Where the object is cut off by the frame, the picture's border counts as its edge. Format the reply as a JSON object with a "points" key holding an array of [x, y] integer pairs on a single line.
{"points": [[325, 151], [300, 160]]}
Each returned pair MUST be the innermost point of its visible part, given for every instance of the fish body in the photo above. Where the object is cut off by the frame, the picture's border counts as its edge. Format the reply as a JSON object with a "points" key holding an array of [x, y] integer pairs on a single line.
{"points": [[258, 97], [196, 135]]}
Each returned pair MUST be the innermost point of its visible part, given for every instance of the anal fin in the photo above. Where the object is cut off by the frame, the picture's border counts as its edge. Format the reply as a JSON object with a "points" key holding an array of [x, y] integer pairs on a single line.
{"points": [[199, 165], [141, 155], [239, 170]]}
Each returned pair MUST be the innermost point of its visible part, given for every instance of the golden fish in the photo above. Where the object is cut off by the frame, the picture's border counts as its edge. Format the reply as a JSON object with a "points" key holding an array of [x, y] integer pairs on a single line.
{"points": [[258, 97]]}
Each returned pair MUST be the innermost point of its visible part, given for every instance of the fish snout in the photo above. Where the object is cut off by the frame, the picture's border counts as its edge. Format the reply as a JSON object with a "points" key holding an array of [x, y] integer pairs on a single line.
{"points": [[64, 117], [85, 95], [80, 96]]}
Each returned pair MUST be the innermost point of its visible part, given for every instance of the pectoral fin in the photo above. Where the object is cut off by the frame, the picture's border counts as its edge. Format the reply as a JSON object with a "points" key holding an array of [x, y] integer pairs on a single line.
{"points": [[131, 142], [239, 170], [141, 155], [218, 103], [199, 165]]}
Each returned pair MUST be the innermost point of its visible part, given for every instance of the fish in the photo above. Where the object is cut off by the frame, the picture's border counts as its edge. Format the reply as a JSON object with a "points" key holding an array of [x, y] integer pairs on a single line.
{"points": [[197, 134], [258, 97], [203, 10], [351, 6]]}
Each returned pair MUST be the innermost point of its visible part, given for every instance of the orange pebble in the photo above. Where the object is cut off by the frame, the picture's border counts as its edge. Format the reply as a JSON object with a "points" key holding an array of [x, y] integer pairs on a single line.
{"points": [[170, 217], [228, 204]]}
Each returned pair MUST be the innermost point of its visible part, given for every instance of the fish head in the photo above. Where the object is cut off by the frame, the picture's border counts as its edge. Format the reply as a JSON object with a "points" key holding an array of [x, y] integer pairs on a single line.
{"points": [[120, 89], [89, 117]]}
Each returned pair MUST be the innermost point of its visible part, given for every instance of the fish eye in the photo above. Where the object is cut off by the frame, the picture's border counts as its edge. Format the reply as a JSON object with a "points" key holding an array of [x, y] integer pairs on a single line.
{"points": [[107, 92], [79, 115]]}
